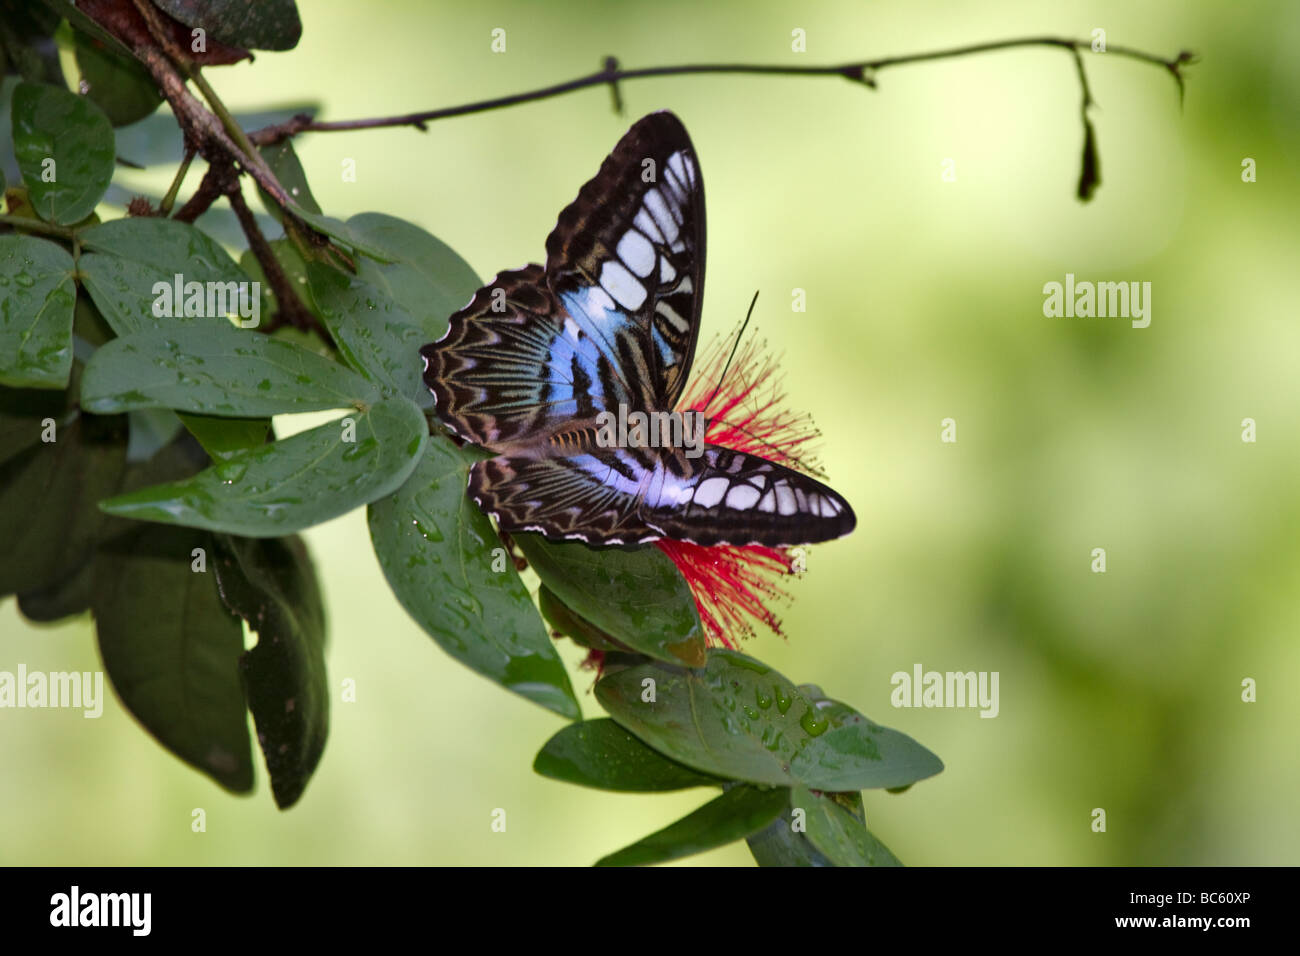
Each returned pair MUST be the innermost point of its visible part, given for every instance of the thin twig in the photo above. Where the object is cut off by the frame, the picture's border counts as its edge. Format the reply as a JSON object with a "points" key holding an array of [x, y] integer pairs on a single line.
{"points": [[859, 72]]}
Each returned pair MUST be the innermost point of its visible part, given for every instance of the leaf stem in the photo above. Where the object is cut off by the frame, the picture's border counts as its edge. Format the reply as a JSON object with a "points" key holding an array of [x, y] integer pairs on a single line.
{"points": [[37, 225], [169, 200]]}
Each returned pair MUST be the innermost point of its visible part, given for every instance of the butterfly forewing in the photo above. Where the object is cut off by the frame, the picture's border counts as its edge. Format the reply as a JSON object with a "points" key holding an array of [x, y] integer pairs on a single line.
{"points": [[629, 253]]}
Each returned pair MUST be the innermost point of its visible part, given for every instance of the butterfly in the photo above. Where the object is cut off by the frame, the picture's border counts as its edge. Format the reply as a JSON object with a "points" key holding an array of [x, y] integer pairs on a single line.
{"points": [[527, 368]]}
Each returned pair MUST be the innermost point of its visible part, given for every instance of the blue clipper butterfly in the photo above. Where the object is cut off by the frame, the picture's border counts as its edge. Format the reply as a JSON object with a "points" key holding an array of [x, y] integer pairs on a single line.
{"points": [[611, 320]]}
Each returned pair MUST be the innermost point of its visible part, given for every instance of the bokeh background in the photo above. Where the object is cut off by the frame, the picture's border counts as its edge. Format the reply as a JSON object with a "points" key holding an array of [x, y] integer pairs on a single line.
{"points": [[1119, 690]]}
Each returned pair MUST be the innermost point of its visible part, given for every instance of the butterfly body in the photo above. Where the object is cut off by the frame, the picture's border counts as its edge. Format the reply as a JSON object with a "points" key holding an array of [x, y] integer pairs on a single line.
{"points": [[540, 358]]}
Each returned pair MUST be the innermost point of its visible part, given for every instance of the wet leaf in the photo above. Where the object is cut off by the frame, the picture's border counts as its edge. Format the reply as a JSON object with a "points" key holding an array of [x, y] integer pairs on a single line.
{"points": [[64, 145], [49, 498], [272, 585], [427, 278], [601, 754], [37, 299], [217, 370], [449, 570], [131, 266], [636, 597], [295, 482], [115, 82], [738, 718], [171, 649], [284, 162], [374, 335]]}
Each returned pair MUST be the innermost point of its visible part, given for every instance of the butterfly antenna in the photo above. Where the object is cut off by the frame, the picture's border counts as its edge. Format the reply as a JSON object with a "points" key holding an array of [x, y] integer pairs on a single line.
{"points": [[735, 345]]}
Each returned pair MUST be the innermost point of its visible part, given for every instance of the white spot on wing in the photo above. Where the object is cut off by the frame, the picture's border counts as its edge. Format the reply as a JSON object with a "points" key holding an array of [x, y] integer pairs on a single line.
{"points": [[635, 250], [669, 313], [622, 285], [742, 497], [682, 167], [646, 224], [785, 503], [667, 224], [709, 491]]}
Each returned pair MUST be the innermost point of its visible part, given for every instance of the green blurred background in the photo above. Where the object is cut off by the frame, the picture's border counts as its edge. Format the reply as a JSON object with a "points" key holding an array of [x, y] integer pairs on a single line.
{"points": [[1119, 690]]}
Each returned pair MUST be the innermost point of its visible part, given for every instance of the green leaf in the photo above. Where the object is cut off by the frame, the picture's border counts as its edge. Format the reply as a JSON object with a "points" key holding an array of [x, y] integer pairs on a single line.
{"points": [[63, 598], [427, 278], [37, 299], [448, 569], [117, 84], [150, 429], [49, 497], [271, 584], [27, 42], [288, 170], [733, 816], [295, 482], [568, 623], [64, 145], [217, 370], [601, 754], [780, 844], [172, 649], [68, 584], [23, 414], [838, 834], [738, 718], [374, 335], [223, 438], [855, 741], [265, 25], [343, 233], [636, 597], [132, 265]]}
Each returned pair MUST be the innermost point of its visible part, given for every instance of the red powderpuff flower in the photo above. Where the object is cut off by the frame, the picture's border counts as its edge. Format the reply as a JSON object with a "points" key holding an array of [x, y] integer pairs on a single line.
{"points": [[734, 586]]}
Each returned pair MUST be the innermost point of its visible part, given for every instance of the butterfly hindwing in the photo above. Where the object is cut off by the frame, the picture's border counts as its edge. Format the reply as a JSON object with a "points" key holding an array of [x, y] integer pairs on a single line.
{"points": [[632, 244], [730, 497], [632, 496], [588, 497], [514, 368]]}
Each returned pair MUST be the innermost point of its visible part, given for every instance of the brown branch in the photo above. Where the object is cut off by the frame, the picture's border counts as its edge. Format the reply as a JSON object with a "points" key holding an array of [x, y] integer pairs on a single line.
{"points": [[291, 309], [169, 66], [215, 183], [863, 71]]}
